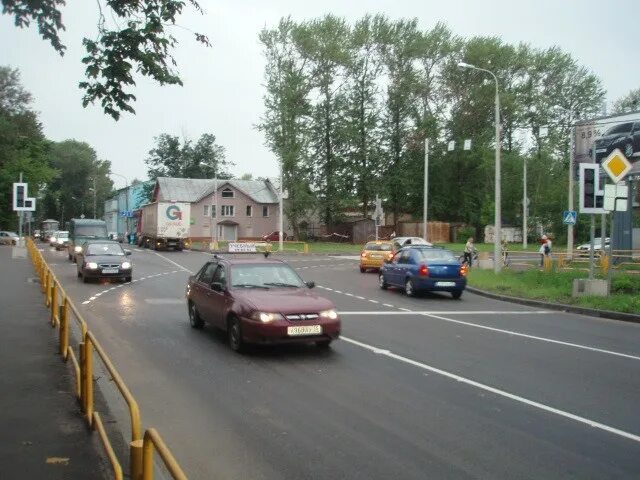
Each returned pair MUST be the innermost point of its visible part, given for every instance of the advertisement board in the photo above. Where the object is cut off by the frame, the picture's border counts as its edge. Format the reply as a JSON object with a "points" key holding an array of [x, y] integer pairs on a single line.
{"points": [[596, 138]]}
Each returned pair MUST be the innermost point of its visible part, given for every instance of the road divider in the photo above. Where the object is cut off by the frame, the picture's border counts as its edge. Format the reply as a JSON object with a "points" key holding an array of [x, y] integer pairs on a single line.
{"points": [[64, 316]]}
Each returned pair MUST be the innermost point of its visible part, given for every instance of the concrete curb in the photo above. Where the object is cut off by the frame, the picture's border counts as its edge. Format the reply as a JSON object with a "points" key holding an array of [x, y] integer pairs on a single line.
{"points": [[625, 317]]}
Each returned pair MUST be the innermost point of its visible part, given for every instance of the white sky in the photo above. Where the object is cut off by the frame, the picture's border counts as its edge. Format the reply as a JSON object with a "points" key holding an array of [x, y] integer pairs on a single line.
{"points": [[222, 91]]}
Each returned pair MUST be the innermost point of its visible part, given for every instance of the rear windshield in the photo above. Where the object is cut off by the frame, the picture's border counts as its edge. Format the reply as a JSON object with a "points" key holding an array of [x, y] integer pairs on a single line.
{"points": [[95, 231], [104, 249], [380, 247], [435, 254]]}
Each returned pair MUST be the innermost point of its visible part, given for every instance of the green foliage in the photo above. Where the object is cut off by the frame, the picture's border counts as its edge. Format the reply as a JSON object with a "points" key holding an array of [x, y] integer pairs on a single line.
{"points": [[348, 107], [138, 42], [187, 159], [629, 103]]}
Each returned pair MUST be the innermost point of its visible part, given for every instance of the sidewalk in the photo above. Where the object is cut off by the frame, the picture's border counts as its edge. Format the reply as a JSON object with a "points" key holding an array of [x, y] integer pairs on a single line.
{"points": [[42, 433]]}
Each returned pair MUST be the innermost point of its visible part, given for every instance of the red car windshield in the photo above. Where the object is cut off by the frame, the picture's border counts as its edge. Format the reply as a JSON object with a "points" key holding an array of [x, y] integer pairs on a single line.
{"points": [[264, 276]]}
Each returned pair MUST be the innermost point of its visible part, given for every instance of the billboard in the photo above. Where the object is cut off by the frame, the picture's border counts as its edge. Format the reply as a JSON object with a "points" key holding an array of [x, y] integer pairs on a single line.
{"points": [[595, 139]]}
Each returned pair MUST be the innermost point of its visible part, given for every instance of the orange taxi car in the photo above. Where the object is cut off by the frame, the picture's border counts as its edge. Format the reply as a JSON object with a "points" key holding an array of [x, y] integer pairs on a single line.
{"points": [[374, 253]]}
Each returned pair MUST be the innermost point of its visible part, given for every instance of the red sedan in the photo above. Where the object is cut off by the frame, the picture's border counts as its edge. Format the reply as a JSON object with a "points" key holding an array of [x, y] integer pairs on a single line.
{"points": [[260, 301]]}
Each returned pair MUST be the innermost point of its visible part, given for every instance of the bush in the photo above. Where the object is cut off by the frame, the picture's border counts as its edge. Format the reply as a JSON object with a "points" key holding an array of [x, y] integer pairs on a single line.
{"points": [[626, 284], [464, 233]]}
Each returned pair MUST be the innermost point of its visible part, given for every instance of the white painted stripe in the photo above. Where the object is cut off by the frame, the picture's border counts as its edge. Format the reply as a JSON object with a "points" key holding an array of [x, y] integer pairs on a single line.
{"points": [[532, 337], [447, 312], [174, 263], [349, 294], [92, 298], [337, 291], [359, 297], [388, 305], [496, 391], [404, 309], [374, 301], [86, 301]]}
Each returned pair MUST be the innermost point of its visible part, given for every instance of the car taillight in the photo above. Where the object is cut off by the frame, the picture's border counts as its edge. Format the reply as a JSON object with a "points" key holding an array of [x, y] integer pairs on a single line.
{"points": [[464, 270], [424, 271]]}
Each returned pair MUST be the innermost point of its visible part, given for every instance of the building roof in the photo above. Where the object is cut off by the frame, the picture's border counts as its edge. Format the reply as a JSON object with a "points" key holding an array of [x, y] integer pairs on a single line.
{"points": [[195, 189]]}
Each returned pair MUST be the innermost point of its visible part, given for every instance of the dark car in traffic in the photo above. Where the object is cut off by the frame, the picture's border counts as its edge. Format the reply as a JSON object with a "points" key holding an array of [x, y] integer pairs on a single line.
{"points": [[103, 259], [260, 300], [421, 268], [624, 136]]}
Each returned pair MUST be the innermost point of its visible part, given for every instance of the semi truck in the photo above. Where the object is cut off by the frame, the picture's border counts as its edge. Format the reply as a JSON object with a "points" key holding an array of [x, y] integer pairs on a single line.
{"points": [[164, 225]]}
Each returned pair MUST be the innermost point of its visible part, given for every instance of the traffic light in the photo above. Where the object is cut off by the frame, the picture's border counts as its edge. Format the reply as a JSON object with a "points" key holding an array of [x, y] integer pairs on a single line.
{"points": [[591, 196], [20, 196], [20, 200]]}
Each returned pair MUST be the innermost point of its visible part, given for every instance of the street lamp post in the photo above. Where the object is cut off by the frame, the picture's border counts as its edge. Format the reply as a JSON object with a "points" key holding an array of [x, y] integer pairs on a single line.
{"points": [[497, 237]]}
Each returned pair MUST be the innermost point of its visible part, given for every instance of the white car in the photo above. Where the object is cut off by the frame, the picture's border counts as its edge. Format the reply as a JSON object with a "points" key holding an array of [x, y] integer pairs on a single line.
{"points": [[399, 242], [597, 246], [8, 238]]}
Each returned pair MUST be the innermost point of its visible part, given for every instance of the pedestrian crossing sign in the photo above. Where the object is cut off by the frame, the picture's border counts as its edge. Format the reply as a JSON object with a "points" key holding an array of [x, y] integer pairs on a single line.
{"points": [[569, 217]]}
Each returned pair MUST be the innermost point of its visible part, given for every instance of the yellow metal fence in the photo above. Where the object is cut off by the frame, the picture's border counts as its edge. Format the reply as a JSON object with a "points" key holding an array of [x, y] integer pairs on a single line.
{"points": [[64, 315]]}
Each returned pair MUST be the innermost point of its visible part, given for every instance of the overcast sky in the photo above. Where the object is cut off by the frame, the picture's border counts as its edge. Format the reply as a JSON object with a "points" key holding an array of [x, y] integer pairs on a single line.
{"points": [[222, 91]]}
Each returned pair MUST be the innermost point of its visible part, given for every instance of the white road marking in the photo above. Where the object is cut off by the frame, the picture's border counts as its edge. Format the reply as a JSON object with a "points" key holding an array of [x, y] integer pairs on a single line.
{"points": [[349, 294], [388, 305], [174, 263], [532, 337], [497, 391], [86, 301], [374, 301], [337, 291], [446, 312], [404, 309]]}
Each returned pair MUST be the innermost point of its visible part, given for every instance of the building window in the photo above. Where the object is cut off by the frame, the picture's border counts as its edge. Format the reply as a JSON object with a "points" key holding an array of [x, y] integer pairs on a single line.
{"points": [[249, 211], [227, 211], [205, 210], [213, 211], [265, 210], [227, 193]]}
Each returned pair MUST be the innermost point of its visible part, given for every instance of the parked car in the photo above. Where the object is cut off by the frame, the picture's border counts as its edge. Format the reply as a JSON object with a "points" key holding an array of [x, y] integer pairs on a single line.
{"points": [[9, 238], [275, 237], [583, 250], [374, 254], [260, 300], [422, 268], [625, 136], [103, 259], [61, 240]]}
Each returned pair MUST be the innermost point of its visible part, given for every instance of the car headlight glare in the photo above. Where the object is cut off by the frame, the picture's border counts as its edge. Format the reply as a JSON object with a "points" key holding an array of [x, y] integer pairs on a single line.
{"points": [[60, 241], [126, 265], [77, 249], [266, 317], [92, 265], [330, 314]]}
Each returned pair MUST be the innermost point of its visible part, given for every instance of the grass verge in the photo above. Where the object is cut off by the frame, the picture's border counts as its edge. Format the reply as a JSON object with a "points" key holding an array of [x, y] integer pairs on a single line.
{"points": [[557, 287]]}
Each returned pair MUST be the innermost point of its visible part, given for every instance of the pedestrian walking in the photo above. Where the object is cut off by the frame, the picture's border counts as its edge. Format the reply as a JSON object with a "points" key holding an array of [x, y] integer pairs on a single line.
{"points": [[545, 248]]}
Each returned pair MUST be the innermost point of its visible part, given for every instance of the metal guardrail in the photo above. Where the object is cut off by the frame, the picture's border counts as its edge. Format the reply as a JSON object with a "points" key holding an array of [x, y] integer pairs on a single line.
{"points": [[62, 310]]}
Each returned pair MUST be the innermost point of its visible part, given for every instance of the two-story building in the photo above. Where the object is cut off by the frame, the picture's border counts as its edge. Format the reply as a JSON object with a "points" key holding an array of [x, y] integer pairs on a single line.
{"points": [[238, 209]]}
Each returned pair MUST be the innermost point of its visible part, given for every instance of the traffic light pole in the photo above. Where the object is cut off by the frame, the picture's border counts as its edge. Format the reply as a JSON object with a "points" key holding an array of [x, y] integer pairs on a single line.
{"points": [[591, 244], [20, 217]]}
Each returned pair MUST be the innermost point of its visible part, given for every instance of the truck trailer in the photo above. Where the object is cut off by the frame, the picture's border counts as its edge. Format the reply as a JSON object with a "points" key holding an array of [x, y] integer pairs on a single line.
{"points": [[164, 225]]}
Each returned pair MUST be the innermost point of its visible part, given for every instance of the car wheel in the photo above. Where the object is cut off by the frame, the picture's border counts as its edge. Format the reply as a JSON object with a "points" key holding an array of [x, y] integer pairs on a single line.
{"points": [[234, 334], [85, 279], [382, 282], [408, 288], [194, 317], [127, 279], [362, 269], [628, 150], [74, 259], [456, 294], [323, 344]]}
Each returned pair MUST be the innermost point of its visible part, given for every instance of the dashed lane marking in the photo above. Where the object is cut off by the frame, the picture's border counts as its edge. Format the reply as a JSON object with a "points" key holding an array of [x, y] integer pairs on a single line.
{"points": [[107, 290]]}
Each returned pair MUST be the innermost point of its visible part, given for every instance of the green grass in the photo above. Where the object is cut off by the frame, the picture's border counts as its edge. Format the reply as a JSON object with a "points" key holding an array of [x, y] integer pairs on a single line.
{"points": [[557, 286]]}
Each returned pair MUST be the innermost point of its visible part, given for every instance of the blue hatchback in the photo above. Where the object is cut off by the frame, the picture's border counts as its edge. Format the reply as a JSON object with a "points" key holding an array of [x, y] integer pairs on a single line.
{"points": [[422, 268]]}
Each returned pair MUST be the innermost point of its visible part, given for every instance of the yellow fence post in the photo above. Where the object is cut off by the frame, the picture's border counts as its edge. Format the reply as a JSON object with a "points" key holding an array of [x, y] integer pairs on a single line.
{"points": [[136, 461], [548, 263], [605, 263], [88, 379], [306, 247], [82, 369], [64, 327], [54, 303]]}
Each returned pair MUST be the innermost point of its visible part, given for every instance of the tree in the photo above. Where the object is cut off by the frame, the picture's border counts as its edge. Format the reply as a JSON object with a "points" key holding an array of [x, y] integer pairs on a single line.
{"points": [[172, 158], [285, 122], [23, 147], [629, 103], [138, 41]]}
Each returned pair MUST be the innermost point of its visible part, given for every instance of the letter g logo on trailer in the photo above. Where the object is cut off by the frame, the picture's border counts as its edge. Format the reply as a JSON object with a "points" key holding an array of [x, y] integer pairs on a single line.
{"points": [[174, 213]]}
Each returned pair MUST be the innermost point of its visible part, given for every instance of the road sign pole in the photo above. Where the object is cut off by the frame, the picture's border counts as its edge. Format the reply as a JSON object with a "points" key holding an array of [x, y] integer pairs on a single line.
{"points": [[570, 227], [426, 188], [20, 215], [592, 235]]}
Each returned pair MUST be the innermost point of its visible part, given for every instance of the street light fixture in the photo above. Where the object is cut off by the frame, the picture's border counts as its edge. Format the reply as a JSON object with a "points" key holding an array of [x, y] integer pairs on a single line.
{"points": [[497, 237]]}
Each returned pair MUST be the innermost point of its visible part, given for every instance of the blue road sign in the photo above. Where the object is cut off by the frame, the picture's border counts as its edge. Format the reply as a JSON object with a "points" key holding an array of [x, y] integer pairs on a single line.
{"points": [[569, 217]]}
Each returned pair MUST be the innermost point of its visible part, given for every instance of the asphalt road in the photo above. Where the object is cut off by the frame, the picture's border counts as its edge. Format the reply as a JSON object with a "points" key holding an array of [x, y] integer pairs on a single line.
{"points": [[417, 388]]}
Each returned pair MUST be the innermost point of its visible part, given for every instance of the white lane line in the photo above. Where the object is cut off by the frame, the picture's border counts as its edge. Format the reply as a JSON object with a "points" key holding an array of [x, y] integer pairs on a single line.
{"points": [[337, 291], [359, 297], [497, 391], [374, 301], [404, 309], [349, 294], [388, 305], [532, 337], [86, 301], [445, 312], [174, 263]]}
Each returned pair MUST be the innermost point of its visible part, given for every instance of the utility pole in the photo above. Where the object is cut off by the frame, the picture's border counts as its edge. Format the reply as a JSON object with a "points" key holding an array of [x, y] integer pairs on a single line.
{"points": [[94, 197], [426, 188]]}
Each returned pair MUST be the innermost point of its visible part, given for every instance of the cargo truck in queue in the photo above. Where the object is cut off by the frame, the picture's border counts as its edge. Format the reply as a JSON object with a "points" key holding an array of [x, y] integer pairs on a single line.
{"points": [[164, 225]]}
